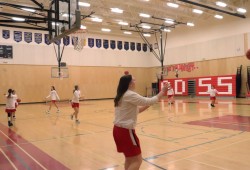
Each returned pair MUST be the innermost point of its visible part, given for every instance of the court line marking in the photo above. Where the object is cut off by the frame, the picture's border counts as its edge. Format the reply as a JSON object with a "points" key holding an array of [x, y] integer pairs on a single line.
{"points": [[9, 159], [206, 164], [190, 156], [23, 150]]}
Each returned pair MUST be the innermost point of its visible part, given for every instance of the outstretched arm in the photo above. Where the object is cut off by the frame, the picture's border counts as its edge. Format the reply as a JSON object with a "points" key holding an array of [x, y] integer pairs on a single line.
{"points": [[143, 108]]}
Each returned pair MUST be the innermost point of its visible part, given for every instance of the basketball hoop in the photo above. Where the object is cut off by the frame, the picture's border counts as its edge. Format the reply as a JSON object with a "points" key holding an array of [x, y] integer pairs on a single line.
{"points": [[79, 39]]}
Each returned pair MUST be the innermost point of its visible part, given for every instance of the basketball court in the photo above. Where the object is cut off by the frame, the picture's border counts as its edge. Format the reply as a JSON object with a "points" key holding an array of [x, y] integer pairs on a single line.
{"points": [[91, 44], [189, 135]]}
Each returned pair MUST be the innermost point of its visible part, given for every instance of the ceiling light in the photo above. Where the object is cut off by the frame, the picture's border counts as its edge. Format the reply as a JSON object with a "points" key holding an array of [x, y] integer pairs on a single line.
{"points": [[122, 23], [173, 5], [169, 21], [106, 29], [241, 10], [127, 32], [197, 11], [28, 9], [218, 16], [190, 24], [146, 26], [96, 19], [167, 30], [146, 35], [84, 4], [83, 27], [65, 15], [116, 10], [144, 15], [18, 19], [221, 4], [53, 23]]}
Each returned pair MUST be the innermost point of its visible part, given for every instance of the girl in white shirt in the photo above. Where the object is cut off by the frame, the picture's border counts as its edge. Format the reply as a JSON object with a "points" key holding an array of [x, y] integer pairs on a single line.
{"points": [[16, 103], [128, 104], [170, 94], [212, 93], [10, 106], [54, 97], [75, 103]]}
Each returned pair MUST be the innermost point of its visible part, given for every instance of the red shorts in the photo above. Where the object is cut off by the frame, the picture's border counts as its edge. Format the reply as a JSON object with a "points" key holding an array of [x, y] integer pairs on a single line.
{"points": [[53, 101], [126, 141], [75, 105], [10, 110], [213, 98], [170, 96]]}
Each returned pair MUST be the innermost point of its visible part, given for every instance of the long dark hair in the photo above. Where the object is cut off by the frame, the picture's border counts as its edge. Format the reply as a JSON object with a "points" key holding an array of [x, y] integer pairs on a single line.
{"points": [[122, 87], [53, 87], [75, 88], [10, 92]]}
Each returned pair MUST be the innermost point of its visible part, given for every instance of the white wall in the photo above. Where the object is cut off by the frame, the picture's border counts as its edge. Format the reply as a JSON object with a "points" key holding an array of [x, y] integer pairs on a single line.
{"points": [[202, 42], [206, 42], [43, 54]]}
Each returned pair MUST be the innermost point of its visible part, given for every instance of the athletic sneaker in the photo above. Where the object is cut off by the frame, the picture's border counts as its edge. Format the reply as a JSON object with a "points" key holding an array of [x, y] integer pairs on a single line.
{"points": [[14, 117], [9, 123], [57, 111], [71, 117], [47, 111], [77, 121]]}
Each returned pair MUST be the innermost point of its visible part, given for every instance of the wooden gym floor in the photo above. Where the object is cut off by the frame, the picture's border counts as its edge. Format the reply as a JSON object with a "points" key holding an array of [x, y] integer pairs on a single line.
{"points": [[188, 135]]}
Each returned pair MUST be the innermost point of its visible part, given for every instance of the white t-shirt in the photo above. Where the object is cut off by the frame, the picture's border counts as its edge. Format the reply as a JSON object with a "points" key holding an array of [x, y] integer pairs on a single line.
{"points": [[76, 96], [170, 91], [53, 95], [212, 92], [126, 112], [10, 101]]}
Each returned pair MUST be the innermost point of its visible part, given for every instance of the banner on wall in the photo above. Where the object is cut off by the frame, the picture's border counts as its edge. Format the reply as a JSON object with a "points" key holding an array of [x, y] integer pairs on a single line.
{"points": [[66, 40], [38, 38], [28, 37], [132, 46], [6, 34], [119, 45], [18, 36], [126, 46], [91, 42], [138, 47], [225, 84], [106, 44], [98, 43], [145, 47], [112, 44], [46, 39]]}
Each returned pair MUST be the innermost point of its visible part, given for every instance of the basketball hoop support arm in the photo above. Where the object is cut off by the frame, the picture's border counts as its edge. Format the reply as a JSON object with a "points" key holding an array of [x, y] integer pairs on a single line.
{"points": [[161, 55]]}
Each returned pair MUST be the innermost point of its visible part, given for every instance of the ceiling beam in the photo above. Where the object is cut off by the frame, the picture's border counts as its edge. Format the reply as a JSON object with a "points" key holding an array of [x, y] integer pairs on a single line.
{"points": [[38, 4], [22, 6], [25, 27], [212, 8], [30, 17]]}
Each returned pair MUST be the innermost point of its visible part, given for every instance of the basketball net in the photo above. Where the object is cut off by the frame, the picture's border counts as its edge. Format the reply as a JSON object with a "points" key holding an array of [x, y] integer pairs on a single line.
{"points": [[79, 39]]}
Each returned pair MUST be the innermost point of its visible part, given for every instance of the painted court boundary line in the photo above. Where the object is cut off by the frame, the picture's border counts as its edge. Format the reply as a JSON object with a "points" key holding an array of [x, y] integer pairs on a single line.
{"points": [[31, 156]]}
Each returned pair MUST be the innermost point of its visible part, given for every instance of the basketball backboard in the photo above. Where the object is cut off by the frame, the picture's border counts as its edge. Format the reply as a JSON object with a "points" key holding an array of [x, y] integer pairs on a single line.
{"points": [[65, 18], [59, 72]]}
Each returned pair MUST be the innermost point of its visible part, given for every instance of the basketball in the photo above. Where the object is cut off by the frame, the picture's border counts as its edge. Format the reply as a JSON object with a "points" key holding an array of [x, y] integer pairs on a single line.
{"points": [[126, 72], [248, 54], [18, 100]]}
